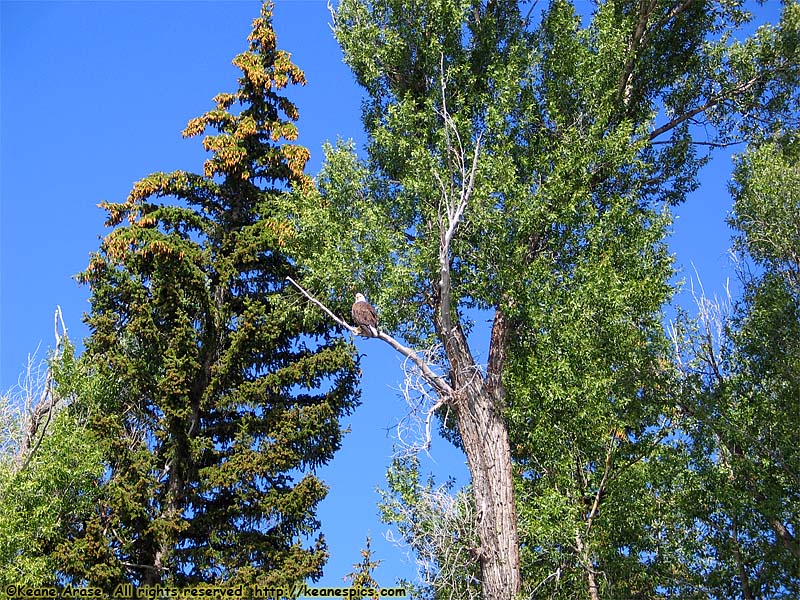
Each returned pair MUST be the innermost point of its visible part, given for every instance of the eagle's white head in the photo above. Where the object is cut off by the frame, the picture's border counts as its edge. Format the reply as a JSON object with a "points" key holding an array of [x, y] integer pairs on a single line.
{"points": [[360, 297]]}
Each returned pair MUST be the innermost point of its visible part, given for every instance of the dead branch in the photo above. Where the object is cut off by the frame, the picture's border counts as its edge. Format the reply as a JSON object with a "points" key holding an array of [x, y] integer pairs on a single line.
{"points": [[453, 203], [414, 430], [325, 309], [444, 540], [443, 389], [41, 414]]}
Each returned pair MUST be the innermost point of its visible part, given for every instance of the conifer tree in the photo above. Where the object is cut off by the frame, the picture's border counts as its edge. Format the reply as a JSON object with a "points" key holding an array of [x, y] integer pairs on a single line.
{"points": [[231, 391]]}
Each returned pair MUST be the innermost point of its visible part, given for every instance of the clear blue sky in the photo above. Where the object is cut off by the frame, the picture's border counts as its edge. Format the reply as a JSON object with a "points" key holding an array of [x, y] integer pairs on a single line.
{"points": [[94, 95]]}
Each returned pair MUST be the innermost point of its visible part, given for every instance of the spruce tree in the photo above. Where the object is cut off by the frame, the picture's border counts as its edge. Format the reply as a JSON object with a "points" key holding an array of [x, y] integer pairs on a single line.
{"points": [[231, 390]]}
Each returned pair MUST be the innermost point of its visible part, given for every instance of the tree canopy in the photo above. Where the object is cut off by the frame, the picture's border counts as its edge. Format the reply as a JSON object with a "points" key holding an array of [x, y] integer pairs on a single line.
{"points": [[521, 166]]}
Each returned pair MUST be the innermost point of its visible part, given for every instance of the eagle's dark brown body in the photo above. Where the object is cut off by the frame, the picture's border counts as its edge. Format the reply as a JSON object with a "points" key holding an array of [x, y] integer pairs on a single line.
{"points": [[365, 316]]}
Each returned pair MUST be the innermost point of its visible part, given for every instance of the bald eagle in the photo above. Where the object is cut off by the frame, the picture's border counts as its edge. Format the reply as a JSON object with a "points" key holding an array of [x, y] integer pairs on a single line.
{"points": [[365, 316]]}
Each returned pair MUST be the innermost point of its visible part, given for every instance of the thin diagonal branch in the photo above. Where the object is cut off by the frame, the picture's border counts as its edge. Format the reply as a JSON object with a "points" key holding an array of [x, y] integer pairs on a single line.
{"points": [[437, 382], [711, 103], [683, 117], [325, 309], [600, 488]]}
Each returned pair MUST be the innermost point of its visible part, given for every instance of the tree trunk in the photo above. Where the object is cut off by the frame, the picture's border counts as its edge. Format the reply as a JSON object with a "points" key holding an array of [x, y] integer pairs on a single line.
{"points": [[478, 403], [485, 437], [591, 580]]}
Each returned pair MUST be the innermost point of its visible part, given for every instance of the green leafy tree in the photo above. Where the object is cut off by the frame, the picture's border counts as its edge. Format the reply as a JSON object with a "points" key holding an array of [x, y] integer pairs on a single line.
{"points": [[521, 170], [49, 467], [742, 393], [766, 333], [438, 526], [229, 390]]}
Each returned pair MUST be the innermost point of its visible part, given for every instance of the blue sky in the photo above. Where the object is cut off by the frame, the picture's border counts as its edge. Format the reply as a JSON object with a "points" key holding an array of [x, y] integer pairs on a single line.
{"points": [[93, 97]]}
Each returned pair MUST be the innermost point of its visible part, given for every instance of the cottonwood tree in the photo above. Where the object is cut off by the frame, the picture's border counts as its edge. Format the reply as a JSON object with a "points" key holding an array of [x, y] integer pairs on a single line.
{"points": [[741, 392], [521, 163], [229, 392], [49, 462]]}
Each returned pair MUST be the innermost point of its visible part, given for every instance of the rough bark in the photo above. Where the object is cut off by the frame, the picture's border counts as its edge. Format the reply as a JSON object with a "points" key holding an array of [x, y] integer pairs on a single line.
{"points": [[485, 438], [477, 398]]}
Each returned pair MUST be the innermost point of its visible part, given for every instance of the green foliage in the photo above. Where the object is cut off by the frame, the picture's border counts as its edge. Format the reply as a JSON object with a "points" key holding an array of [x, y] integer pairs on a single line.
{"points": [[230, 390], [767, 209], [42, 493], [743, 391], [437, 526], [566, 116], [584, 131], [384, 214]]}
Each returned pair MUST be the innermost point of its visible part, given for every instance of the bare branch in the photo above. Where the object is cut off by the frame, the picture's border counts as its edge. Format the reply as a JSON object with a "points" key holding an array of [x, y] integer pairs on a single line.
{"points": [[554, 575], [462, 174], [414, 430], [428, 418], [712, 315], [441, 531], [601, 488], [672, 124], [704, 143], [711, 103], [325, 309], [673, 13], [41, 413], [437, 382], [624, 88]]}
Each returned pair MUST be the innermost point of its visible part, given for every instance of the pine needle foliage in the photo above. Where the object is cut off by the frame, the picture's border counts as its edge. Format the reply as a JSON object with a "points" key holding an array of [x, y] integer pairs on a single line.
{"points": [[231, 390]]}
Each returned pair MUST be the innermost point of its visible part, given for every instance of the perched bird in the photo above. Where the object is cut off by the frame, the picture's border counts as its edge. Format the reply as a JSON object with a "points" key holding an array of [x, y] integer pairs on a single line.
{"points": [[365, 316]]}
